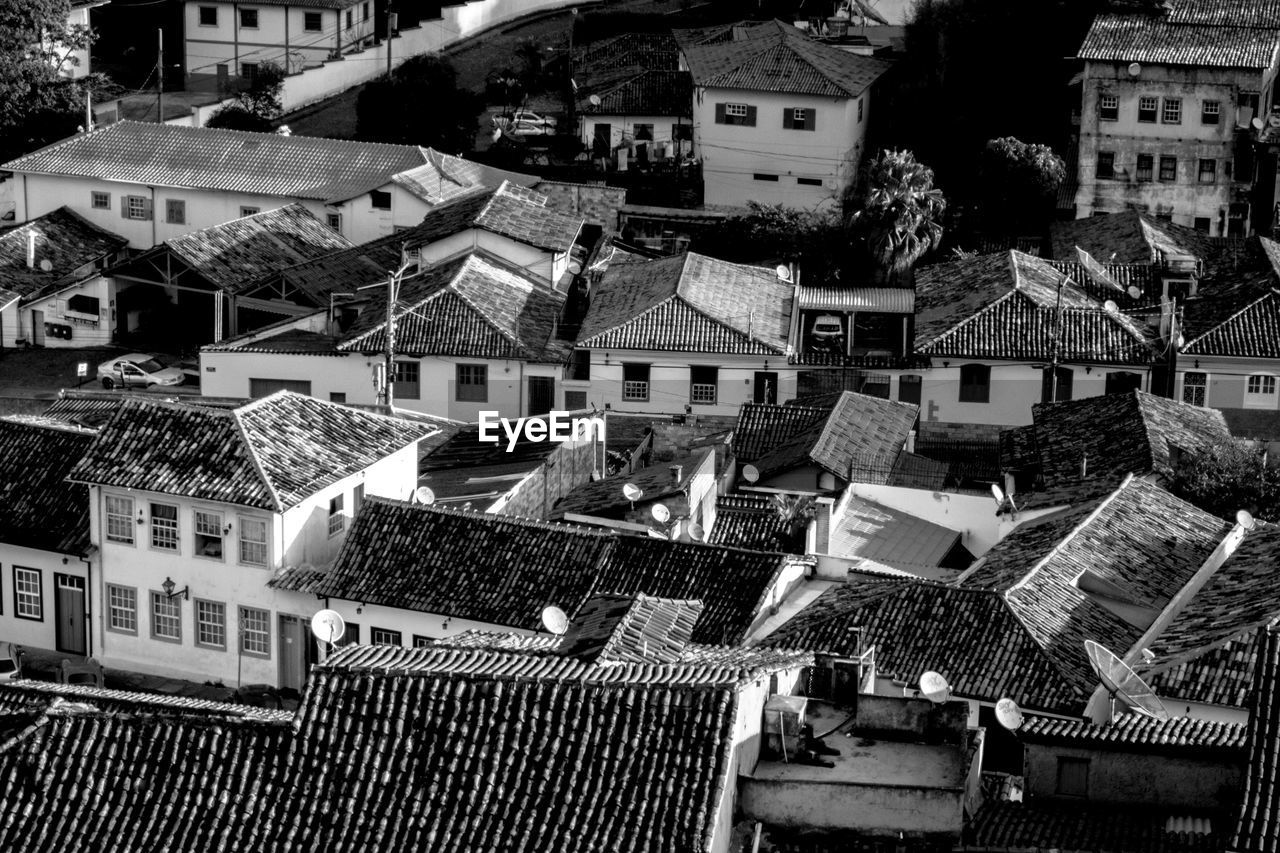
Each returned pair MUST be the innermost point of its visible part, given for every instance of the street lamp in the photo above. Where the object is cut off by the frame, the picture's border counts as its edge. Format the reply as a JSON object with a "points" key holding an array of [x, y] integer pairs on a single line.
{"points": [[170, 595]]}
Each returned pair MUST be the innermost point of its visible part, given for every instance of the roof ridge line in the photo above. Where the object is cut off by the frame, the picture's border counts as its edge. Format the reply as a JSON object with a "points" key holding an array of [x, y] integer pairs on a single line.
{"points": [[749, 338], [1057, 547], [1272, 290], [253, 454], [973, 318]]}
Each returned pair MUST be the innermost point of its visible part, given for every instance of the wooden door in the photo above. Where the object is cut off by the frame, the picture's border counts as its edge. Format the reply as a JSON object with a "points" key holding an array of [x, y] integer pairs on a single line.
{"points": [[68, 610], [293, 652], [542, 394], [37, 328]]}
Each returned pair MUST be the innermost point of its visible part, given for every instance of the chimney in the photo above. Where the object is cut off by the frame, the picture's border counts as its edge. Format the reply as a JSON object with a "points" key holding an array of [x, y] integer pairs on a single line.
{"points": [[31, 249], [676, 471]]}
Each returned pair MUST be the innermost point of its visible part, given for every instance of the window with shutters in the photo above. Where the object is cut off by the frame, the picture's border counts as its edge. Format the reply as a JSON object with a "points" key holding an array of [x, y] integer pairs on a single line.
{"points": [[1062, 392], [408, 380], [136, 207], [472, 385], [743, 114], [1073, 777], [1260, 391], [798, 118]]}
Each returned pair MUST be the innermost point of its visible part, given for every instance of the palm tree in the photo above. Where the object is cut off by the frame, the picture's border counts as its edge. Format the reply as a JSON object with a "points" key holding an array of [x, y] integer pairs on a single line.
{"points": [[794, 512], [899, 220]]}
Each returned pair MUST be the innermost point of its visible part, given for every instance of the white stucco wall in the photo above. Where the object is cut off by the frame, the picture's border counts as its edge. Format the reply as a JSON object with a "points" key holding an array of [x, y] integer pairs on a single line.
{"points": [[18, 324], [732, 154], [279, 38], [1227, 381], [25, 631], [621, 126], [669, 380]]}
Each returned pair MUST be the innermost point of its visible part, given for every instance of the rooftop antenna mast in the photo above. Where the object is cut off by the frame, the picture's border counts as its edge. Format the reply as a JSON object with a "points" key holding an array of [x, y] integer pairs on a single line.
{"points": [[393, 299]]}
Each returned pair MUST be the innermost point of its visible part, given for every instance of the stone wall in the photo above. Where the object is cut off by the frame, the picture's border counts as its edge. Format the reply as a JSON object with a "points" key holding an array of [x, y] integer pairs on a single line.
{"points": [[946, 431], [566, 468], [672, 439]]}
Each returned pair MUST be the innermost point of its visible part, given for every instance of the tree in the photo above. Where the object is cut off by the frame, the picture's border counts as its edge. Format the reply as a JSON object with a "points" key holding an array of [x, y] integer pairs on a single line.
{"points": [[897, 222], [794, 512], [419, 104], [37, 105], [1020, 182], [773, 233], [256, 107], [1228, 478]]}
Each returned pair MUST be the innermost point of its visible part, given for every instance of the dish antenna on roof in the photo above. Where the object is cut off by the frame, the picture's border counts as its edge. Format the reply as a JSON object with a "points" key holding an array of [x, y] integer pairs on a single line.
{"points": [[632, 492], [660, 513], [1257, 123], [696, 533], [594, 100], [1135, 292], [1119, 679], [554, 620], [784, 272], [934, 687], [1134, 69], [46, 265], [328, 626], [750, 473], [1008, 714], [424, 495], [1111, 307], [497, 134], [1244, 518]]}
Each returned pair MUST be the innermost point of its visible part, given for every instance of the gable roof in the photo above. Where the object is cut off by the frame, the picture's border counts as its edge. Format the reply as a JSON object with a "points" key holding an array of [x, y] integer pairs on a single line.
{"points": [[271, 453], [1004, 306], [1185, 39], [472, 306], [604, 497], [41, 509], [64, 239], [1259, 823], [777, 57], [763, 426], [689, 303], [1139, 733], [1252, 331], [630, 629], [1047, 824], [1131, 237], [651, 92], [43, 694], [504, 570], [876, 532], [860, 429], [242, 251], [747, 520], [509, 209], [233, 161], [1117, 434], [444, 177]]}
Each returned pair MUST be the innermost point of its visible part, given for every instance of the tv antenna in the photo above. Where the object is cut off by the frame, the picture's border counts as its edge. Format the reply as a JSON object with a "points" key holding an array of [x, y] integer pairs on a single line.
{"points": [[750, 473], [423, 495], [554, 620], [1119, 679], [1008, 714], [328, 626], [934, 687]]}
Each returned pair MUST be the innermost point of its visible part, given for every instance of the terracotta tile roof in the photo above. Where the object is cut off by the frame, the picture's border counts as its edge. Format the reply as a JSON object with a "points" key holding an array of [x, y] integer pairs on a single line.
{"points": [[1158, 41], [1004, 306], [45, 695], [473, 306], [463, 468], [444, 177], [1207, 652], [1251, 332], [272, 453], [1090, 828], [777, 57], [747, 521], [505, 570], [1136, 732], [658, 51], [1131, 237], [231, 161], [1258, 828], [970, 636], [64, 239], [876, 532], [242, 251], [1143, 434], [524, 216], [604, 497], [763, 426], [630, 629], [1226, 13], [650, 92], [93, 409], [689, 303], [290, 341], [41, 509], [858, 428]]}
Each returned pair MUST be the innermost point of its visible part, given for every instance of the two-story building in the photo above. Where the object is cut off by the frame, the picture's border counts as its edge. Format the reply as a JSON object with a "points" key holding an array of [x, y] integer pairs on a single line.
{"points": [[689, 333], [779, 117], [153, 182], [1169, 95], [224, 41], [192, 509]]}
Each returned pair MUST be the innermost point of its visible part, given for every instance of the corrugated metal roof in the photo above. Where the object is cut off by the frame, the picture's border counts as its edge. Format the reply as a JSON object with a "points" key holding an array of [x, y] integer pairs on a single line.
{"points": [[892, 300]]}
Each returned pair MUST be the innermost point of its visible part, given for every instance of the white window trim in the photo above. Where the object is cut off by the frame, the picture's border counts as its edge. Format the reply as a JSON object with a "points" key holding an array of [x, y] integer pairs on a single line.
{"points": [[221, 647], [107, 515], [195, 533], [736, 110], [37, 614], [241, 633], [1263, 400], [155, 596], [265, 543], [337, 521], [177, 529], [111, 610]]}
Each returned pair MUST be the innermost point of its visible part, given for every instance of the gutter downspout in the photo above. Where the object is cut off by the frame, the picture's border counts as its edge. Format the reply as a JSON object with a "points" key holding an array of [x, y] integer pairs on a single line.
{"points": [[89, 611]]}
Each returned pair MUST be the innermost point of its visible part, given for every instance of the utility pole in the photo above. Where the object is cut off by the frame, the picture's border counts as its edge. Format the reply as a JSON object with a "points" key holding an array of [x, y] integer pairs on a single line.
{"points": [[391, 27], [160, 79], [389, 355], [1057, 345]]}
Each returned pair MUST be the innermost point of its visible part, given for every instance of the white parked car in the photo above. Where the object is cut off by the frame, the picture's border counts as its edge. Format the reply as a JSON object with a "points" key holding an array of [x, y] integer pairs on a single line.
{"points": [[10, 662], [525, 123], [138, 368]]}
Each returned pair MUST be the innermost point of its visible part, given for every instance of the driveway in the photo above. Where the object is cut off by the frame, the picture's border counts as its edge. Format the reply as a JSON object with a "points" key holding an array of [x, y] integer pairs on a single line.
{"points": [[42, 373]]}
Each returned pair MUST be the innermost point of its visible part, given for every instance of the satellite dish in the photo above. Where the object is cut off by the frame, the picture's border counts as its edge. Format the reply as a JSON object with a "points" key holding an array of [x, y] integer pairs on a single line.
{"points": [[696, 533], [1111, 307], [497, 134], [1257, 123], [1135, 292], [423, 495], [997, 493], [554, 620], [328, 626], [1120, 680], [1244, 518], [660, 513], [46, 265], [594, 100], [1008, 714], [934, 687], [750, 473], [784, 272], [1134, 69], [632, 492]]}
